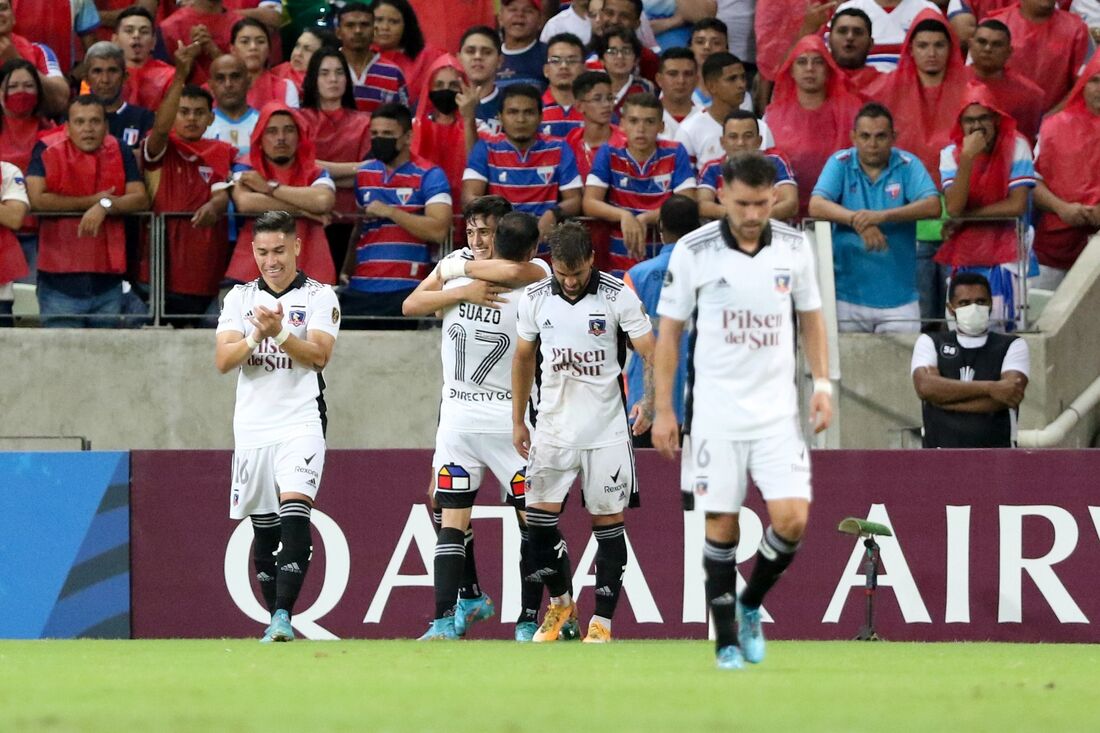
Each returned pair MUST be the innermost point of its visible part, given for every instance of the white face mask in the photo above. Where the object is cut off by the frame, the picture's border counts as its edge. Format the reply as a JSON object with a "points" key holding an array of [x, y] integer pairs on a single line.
{"points": [[973, 319]]}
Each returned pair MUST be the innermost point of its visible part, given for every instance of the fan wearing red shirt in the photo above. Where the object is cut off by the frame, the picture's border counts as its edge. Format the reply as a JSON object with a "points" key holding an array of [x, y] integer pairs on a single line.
{"points": [[57, 24], [147, 78], [184, 172], [281, 173], [249, 43], [965, 14], [626, 14], [592, 90], [14, 46], [207, 22], [1021, 98], [23, 120], [1049, 45], [564, 63], [81, 262], [850, 43]]}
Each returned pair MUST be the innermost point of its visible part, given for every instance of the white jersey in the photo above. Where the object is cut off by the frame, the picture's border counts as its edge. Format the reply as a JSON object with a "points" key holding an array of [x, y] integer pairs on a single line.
{"points": [[580, 398], [888, 28], [478, 345], [277, 398], [701, 136], [742, 363]]}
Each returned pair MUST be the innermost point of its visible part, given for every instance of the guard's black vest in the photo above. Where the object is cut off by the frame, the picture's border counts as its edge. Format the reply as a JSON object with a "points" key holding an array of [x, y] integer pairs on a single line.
{"points": [[946, 429]]}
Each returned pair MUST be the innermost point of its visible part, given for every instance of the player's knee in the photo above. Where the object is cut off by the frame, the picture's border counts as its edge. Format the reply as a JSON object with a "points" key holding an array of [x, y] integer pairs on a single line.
{"points": [[607, 520], [723, 528], [790, 528]]}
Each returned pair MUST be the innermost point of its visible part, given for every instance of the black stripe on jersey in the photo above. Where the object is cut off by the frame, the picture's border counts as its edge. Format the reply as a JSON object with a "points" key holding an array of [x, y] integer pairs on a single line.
{"points": [[690, 391], [635, 493], [503, 343], [536, 393], [458, 333], [321, 408], [609, 281], [537, 288], [620, 356]]}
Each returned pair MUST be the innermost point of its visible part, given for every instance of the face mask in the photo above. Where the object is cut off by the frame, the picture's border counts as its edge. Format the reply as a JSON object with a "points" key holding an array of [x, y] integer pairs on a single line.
{"points": [[445, 101], [383, 149], [21, 103], [973, 319]]}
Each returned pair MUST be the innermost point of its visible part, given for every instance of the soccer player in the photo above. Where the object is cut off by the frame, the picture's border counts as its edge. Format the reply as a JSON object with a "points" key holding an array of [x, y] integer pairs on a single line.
{"points": [[575, 320], [279, 331], [537, 174], [741, 134], [739, 278], [628, 184], [479, 337]]}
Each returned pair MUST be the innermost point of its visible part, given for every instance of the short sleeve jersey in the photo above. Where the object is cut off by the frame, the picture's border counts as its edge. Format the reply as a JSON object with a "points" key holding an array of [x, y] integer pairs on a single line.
{"points": [[580, 398], [531, 180], [477, 350], [1021, 174], [277, 398], [742, 360], [13, 187]]}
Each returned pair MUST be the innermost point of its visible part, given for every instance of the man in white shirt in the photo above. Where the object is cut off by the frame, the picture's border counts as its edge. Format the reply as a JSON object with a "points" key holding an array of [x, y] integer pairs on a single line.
{"points": [[890, 21], [278, 331], [574, 319], [741, 279]]}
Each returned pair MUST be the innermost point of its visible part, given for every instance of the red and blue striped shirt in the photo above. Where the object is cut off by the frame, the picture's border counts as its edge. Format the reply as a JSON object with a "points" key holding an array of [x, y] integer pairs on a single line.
{"points": [[382, 82], [532, 180], [711, 174], [559, 121], [388, 258], [639, 187]]}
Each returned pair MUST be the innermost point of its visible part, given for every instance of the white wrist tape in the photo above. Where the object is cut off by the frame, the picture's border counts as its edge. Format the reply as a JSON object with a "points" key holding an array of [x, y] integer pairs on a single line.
{"points": [[282, 337], [252, 343], [451, 268], [823, 385]]}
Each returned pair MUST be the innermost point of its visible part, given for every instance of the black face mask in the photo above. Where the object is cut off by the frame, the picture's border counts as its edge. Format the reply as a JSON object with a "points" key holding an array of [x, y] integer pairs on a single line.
{"points": [[383, 149], [445, 101]]}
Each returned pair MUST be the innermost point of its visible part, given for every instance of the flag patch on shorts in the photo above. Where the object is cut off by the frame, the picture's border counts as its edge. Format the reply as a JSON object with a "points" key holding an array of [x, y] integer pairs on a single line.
{"points": [[519, 483], [453, 478]]}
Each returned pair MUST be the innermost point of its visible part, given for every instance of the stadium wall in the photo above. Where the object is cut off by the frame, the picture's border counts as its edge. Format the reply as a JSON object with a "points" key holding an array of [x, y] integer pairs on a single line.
{"points": [[989, 545]]}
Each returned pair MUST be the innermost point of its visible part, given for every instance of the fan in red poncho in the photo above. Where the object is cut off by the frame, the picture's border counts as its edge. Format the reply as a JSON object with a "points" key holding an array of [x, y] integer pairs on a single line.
{"points": [[811, 112], [1017, 95], [309, 42], [850, 43], [1049, 45], [987, 171], [186, 173], [208, 22], [282, 174], [779, 24], [965, 14], [251, 45], [438, 128], [81, 261], [1068, 192], [147, 78], [930, 79]]}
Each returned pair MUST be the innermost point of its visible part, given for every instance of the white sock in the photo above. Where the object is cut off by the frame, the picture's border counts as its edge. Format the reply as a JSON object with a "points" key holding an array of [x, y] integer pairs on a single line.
{"points": [[605, 621], [563, 600]]}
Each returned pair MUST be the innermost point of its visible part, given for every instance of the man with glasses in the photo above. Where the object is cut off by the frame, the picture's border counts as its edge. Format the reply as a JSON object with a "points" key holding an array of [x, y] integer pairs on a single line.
{"points": [[564, 62]]}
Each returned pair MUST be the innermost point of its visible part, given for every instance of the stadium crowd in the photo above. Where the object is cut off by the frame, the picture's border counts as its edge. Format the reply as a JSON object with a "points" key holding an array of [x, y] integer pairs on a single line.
{"points": [[899, 121]]}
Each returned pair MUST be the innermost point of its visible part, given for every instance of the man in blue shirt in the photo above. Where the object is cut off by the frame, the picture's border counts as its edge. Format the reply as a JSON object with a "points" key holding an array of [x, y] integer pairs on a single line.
{"points": [[679, 216], [874, 193]]}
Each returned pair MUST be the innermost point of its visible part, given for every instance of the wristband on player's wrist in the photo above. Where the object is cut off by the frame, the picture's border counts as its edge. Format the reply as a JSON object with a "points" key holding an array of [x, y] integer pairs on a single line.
{"points": [[251, 342], [451, 268], [823, 385], [283, 335]]}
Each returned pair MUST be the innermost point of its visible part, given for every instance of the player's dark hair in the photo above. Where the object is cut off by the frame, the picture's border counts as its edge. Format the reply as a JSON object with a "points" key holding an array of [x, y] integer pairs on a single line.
{"points": [[753, 169], [873, 110], [485, 206], [600, 44], [586, 82], [412, 39], [679, 216], [710, 24], [646, 100], [395, 111], [569, 38], [275, 221], [89, 100], [481, 30], [854, 13], [713, 66], [352, 7], [520, 90], [995, 25], [928, 25], [311, 98], [570, 244], [194, 91], [967, 278], [517, 234], [676, 53], [13, 65], [243, 23], [130, 12], [741, 114]]}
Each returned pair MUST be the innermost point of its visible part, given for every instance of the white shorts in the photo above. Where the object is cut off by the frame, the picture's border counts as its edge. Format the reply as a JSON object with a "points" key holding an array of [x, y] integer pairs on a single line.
{"points": [[460, 461], [609, 483], [714, 473], [261, 474]]}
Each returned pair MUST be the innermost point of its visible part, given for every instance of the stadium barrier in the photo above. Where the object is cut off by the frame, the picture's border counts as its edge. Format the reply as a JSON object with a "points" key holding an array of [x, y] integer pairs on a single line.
{"points": [[988, 545]]}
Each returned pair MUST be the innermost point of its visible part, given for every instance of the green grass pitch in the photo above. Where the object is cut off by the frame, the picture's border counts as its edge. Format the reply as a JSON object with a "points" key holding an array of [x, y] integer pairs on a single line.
{"points": [[240, 685]]}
